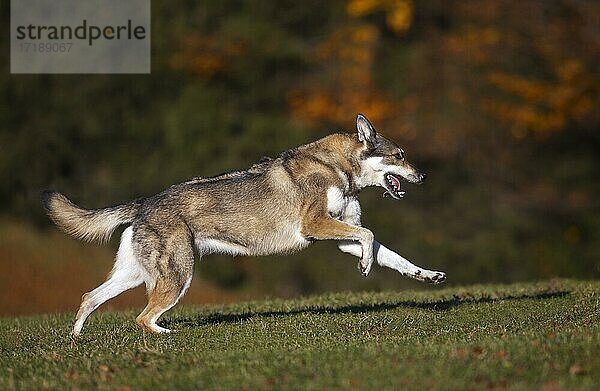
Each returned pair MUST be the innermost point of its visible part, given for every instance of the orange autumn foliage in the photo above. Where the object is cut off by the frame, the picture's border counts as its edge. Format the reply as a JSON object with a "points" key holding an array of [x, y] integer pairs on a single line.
{"points": [[204, 56], [346, 64], [544, 106], [399, 13], [345, 59]]}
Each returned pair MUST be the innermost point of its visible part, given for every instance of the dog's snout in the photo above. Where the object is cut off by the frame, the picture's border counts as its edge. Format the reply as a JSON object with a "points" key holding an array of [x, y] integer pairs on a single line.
{"points": [[416, 177]]}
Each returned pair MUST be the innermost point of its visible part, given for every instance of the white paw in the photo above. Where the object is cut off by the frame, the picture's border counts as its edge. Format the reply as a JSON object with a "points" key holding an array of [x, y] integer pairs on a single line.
{"points": [[76, 330], [159, 330], [364, 266], [432, 277]]}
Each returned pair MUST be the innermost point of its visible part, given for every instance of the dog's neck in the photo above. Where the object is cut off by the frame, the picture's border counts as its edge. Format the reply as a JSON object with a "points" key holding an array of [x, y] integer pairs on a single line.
{"points": [[350, 169]]}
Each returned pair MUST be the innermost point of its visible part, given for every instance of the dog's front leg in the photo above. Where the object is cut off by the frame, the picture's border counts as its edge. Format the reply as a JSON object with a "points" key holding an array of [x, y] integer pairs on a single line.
{"points": [[388, 258], [385, 256], [327, 228]]}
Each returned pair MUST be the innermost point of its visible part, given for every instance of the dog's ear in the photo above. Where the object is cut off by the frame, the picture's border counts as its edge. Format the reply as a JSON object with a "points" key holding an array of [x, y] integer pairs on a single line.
{"points": [[366, 131]]}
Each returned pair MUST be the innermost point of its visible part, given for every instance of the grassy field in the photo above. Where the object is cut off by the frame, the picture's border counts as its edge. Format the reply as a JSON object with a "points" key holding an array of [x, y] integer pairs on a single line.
{"points": [[542, 335]]}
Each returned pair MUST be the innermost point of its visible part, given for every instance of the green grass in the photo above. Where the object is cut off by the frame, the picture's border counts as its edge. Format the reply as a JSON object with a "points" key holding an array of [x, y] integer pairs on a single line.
{"points": [[522, 336]]}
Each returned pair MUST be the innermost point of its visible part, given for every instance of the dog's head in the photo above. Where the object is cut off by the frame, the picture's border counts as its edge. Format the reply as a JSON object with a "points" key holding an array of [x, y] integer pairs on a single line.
{"points": [[382, 162]]}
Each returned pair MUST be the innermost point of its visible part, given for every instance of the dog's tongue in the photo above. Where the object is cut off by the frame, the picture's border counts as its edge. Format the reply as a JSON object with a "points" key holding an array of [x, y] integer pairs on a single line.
{"points": [[395, 181]]}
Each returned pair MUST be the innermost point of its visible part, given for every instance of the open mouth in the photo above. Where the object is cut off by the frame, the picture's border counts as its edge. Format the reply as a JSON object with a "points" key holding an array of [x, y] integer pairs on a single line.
{"points": [[393, 186]]}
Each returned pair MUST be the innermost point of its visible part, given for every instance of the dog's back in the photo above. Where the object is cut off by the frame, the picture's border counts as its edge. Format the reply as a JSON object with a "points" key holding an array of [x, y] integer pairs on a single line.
{"points": [[250, 213]]}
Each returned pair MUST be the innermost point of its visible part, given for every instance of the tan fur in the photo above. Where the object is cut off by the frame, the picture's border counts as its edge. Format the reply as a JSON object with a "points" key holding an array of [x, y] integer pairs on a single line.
{"points": [[88, 225]]}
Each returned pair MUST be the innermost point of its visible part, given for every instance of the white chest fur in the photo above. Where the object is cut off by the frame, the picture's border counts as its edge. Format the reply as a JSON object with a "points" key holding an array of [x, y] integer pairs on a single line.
{"points": [[342, 207], [336, 202]]}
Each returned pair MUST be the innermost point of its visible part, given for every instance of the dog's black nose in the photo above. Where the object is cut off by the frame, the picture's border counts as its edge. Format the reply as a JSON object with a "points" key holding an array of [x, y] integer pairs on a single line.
{"points": [[423, 176]]}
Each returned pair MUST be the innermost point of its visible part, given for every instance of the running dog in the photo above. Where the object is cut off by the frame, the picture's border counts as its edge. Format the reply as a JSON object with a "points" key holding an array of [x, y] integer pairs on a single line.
{"points": [[279, 205]]}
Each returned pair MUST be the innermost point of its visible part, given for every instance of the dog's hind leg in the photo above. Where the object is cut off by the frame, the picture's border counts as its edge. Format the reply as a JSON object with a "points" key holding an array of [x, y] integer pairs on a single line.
{"points": [[174, 270], [127, 273]]}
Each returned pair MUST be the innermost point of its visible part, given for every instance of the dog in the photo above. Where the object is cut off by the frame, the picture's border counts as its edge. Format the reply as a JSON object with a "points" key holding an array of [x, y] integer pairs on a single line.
{"points": [[279, 205]]}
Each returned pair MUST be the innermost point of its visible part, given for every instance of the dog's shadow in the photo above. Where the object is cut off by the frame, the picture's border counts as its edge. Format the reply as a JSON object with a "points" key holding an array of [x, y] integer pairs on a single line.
{"points": [[441, 305]]}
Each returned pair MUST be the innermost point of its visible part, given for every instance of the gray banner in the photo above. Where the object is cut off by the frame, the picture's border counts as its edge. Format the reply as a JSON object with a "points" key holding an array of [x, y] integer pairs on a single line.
{"points": [[80, 36]]}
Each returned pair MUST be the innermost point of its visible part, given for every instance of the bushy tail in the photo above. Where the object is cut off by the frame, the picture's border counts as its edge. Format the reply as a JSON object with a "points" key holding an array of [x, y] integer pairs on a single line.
{"points": [[87, 224]]}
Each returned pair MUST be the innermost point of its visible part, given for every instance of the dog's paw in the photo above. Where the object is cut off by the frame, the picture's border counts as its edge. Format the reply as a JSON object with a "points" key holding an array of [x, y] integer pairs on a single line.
{"points": [[435, 278], [364, 266]]}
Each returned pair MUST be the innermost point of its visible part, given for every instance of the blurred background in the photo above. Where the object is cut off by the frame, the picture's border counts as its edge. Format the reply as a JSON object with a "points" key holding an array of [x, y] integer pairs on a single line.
{"points": [[496, 100]]}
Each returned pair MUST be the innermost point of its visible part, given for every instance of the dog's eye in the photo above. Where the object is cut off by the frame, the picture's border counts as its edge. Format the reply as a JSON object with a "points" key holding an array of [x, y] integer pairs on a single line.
{"points": [[399, 155]]}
